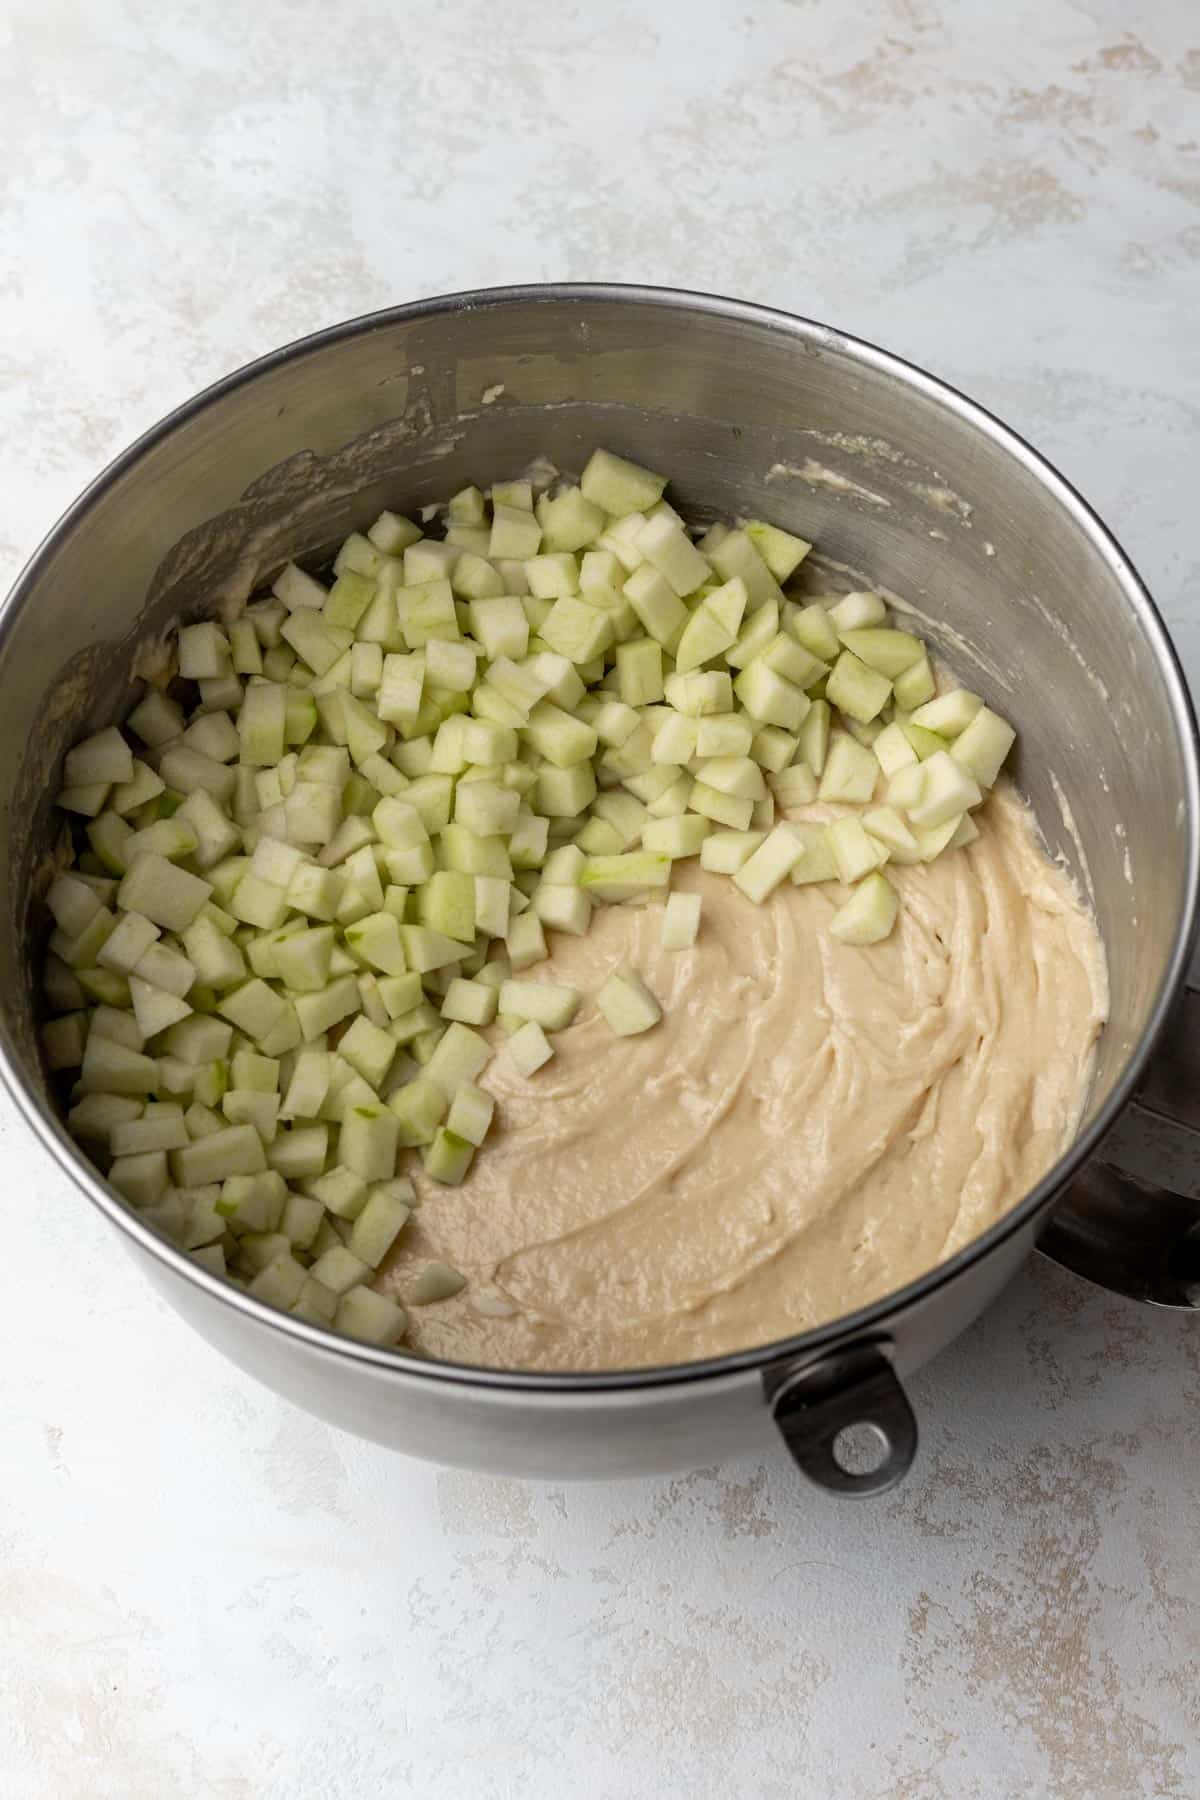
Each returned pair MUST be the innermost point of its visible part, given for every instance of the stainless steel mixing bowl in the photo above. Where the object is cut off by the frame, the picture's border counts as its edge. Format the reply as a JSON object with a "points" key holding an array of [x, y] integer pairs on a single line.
{"points": [[754, 412]]}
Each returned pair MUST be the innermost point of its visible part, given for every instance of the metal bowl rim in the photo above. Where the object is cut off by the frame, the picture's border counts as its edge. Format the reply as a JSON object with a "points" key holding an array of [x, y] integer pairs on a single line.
{"points": [[868, 1321]]}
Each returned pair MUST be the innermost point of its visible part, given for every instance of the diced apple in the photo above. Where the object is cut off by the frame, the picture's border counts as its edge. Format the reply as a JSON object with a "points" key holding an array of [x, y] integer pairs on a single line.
{"points": [[906, 787], [812, 627], [700, 695], [855, 852], [888, 651], [676, 837], [529, 1048], [627, 1003], [382, 1219], [621, 877], [793, 787], [680, 922], [947, 790], [525, 941], [791, 660], [471, 1113], [261, 1111], [563, 908], [666, 546], [233, 1150], [869, 914], [859, 691], [982, 745], [712, 628], [818, 862], [368, 1141], [321, 1011], [552, 1005], [725, 852], [736, 554], [660, 610], [154, 1009], [167, 895], [770, 699], [448, 1158], [887, 827], [375, 1318], [308, 1086], [915, 685], [893, 751], [127, 943], [156, 719], [736, 775], [460, 1055], [436, 1282], [142, 1179], [851, 771], [722, 809], [639, 674], [855, 612], [780, 550], [771, 863], [619, 486], [949, 714], [102, 758]]}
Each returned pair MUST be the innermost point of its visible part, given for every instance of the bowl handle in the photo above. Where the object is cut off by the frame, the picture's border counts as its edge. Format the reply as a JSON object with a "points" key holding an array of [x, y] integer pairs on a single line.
{"points": [[855, 1386], [1131, 1221]]}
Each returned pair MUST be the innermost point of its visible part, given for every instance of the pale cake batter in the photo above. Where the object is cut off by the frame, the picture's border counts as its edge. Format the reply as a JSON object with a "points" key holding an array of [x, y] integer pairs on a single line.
{"points": [[810, 1127]]}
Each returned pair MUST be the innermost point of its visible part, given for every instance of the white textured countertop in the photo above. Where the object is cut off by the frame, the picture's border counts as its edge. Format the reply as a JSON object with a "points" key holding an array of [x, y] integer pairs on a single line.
{"points": [[204, 1592]]}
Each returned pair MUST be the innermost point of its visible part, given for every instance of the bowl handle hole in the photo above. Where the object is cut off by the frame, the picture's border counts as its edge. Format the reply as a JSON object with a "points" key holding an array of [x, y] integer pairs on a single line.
{"points": [[845, 1419]]}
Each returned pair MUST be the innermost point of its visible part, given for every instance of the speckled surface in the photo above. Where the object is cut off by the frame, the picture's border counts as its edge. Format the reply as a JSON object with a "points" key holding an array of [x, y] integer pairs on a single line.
{"points": [[205, 1593]]}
